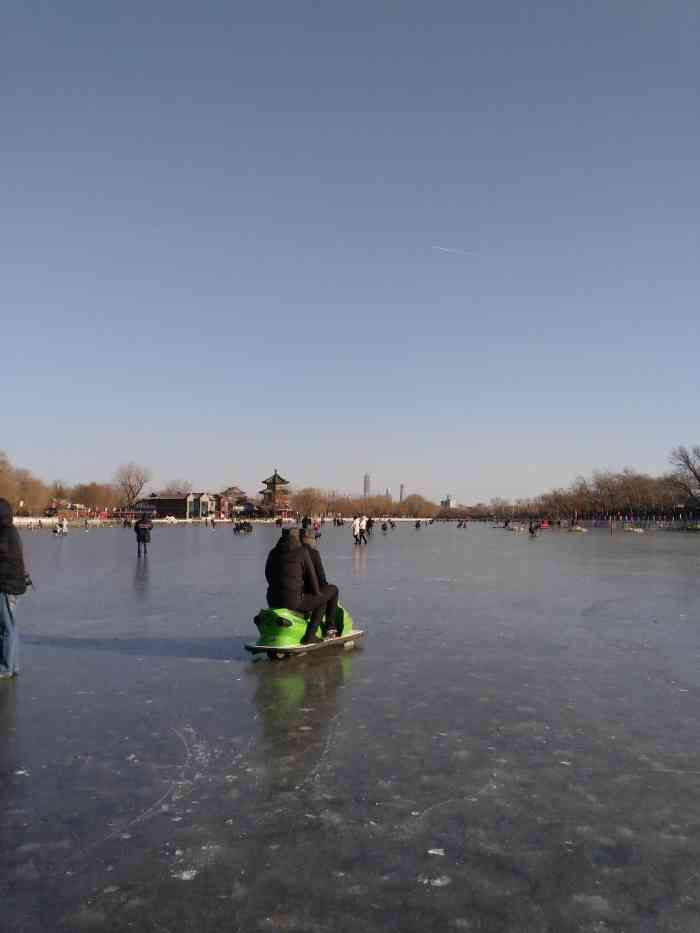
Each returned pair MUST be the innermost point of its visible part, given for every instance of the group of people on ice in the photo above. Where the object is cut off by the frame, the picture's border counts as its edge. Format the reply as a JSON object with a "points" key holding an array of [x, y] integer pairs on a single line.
{"points": [[361, 528]]}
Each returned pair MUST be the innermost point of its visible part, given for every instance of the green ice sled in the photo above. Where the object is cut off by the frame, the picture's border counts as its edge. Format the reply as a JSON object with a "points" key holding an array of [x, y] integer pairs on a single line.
{"points": [[276, 635]]}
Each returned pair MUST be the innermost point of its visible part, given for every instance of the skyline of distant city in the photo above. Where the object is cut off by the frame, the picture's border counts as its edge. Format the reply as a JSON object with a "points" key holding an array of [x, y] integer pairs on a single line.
{"points": [[367, 488]]}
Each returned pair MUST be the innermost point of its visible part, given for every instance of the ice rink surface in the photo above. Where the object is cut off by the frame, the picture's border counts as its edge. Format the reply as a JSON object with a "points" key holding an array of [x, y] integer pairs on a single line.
{"points": [[513, 748]]}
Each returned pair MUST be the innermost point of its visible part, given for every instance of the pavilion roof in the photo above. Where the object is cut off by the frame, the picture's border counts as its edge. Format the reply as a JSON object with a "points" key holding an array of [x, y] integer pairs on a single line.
{"points": [[276, 480]]}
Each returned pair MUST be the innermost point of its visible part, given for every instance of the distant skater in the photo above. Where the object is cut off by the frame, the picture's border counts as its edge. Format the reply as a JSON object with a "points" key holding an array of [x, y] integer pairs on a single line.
{"points": [[356, 529], [143, 529], [363, 530]]}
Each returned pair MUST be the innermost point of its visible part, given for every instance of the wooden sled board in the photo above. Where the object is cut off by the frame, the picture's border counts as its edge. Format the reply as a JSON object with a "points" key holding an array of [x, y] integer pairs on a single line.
{"points": [[302, 649]]}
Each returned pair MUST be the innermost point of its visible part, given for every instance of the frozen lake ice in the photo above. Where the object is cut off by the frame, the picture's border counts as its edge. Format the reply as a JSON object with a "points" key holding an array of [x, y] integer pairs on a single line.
{"points": [[512, 748]]}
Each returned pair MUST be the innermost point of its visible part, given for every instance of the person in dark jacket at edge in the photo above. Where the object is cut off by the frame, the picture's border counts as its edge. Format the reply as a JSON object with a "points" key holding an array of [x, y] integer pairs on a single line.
{"points": [[143, 529], [292, 582], [13, 583], [329, 590]]}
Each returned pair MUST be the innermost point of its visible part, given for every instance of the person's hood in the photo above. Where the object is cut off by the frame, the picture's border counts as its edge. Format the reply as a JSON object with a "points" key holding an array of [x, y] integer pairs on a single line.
{"points": [[5, 513], [290, 539]]}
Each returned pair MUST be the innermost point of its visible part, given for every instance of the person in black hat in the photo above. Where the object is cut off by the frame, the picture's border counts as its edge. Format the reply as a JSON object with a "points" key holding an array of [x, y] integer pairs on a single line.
{"points": [[292, 582], [329, 590]]}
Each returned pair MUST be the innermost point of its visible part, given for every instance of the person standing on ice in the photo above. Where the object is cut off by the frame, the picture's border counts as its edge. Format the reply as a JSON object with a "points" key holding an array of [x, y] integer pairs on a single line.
{"points": [[143, 529], [363, 530], [356, 529], [13, 583]]}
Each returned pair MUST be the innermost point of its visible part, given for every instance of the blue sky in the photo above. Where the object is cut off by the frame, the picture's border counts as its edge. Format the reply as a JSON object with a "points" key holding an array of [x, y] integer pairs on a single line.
{"points": [[219, 231]]}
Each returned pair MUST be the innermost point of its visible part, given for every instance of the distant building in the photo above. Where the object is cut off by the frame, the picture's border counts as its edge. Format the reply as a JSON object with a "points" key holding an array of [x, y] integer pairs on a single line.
{"points": [[366, 485], [275, 499], [387, 493], [402, 492], [193, 505], [449, 502], [233, 501]]}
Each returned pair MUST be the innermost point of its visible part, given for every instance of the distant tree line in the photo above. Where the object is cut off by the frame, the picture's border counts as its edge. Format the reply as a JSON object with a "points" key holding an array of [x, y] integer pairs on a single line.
{"points": [[606, 493], [30, 495], [312, 501], [601, 495]]}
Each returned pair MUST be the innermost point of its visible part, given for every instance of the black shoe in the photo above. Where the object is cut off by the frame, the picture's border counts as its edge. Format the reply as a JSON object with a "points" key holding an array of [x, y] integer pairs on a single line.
{"points": [[311, 640]]}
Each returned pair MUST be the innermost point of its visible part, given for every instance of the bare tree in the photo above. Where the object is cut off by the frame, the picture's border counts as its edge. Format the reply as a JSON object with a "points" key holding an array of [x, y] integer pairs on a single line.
{"points": [[177, 487], [130, 479], [59, 490], [8, 481], [95, 495], [31, 492], [687, 469], [309, 501], [501, 508]]}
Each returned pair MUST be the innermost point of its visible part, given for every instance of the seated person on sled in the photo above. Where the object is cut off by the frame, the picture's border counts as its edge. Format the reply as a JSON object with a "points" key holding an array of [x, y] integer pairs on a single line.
{"points": [[292, 582], [329, 591]]}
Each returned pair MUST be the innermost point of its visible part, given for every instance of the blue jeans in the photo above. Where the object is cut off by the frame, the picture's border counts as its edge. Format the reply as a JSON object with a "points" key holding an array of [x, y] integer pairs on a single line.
{"points": [[9, 636]]}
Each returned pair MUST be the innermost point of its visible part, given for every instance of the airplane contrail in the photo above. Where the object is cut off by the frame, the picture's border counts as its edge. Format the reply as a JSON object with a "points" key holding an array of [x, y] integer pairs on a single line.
{"points": [[453, 249]]}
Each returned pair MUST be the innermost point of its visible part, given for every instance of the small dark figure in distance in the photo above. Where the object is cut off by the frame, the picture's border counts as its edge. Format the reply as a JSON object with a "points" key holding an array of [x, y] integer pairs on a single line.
{"points": [[143, 529]]}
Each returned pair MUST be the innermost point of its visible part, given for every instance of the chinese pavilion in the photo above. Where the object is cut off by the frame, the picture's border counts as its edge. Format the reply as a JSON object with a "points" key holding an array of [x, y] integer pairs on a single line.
{"points": [[274, 497]]}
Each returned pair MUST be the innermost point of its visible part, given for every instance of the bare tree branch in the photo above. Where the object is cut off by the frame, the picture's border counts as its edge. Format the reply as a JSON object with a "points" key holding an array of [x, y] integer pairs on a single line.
{"points": [[177, 487], [687, 464], [130, 479]]}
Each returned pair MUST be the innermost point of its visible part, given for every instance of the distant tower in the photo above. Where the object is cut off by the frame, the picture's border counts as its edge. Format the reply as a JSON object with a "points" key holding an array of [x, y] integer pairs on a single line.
{"points": [[366, 485], [402, 492], [273, 496], [387, 494]]}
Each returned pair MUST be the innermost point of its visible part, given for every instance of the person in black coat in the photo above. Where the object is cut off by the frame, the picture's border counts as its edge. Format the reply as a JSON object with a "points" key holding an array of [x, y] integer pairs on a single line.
{"points": [[143, 529], [13, 583], [292, 582], [329, 590]]}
